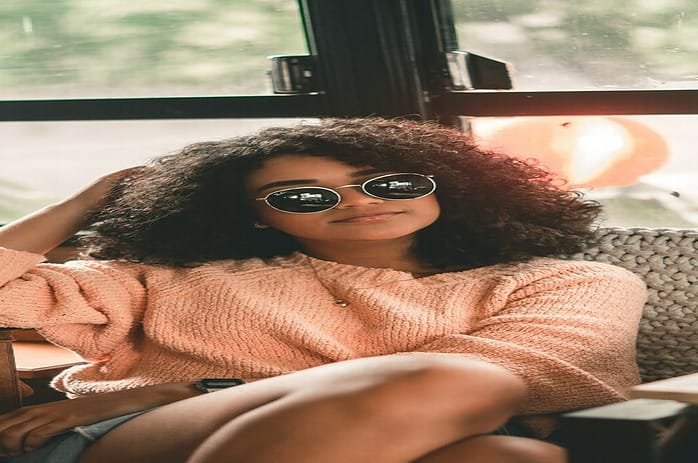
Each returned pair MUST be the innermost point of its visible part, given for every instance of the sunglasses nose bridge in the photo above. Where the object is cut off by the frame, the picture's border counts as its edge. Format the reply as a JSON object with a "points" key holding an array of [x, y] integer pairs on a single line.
{"points": [[357, 194], [347, 186]]}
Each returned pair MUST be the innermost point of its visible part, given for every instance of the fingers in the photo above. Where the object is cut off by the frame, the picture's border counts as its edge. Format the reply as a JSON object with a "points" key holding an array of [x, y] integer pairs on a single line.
{"points": [[27, 428], [119, 175], [127, 171], [107, 182], [40, 435], [24, 436], [95, 195], [25, 433], [30, 427], [13, 418]]}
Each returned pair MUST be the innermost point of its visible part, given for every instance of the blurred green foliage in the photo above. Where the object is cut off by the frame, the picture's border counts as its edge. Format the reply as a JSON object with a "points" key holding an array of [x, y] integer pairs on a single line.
{"points": [[103, 48], [607, 41], [66, 48], [17, 199]]}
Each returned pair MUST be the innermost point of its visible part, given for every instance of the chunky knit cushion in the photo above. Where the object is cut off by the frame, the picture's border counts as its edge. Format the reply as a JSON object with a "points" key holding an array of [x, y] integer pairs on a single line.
{"points": [[667, 260]]}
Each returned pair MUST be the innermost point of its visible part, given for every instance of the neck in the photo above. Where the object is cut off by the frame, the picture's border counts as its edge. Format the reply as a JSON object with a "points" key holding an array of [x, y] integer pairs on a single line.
{"points": [[395, 254]]}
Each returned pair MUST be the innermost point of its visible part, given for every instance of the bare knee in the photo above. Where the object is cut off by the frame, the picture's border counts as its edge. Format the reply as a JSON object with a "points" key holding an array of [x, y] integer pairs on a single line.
{"points": [[398, 407], [459, 375], [454, 382], [427, 388]]}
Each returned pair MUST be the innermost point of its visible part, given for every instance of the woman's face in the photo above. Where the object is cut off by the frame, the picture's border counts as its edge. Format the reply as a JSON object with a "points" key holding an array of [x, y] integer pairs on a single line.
{"points": [[357, 217]]}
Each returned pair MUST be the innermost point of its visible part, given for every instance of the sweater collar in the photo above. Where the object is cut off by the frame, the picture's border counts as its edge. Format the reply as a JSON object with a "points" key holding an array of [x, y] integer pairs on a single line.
{"points": [[338, 271]]}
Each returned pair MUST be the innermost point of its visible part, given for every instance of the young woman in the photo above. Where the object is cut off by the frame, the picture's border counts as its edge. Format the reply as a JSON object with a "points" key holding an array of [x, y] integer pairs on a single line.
{"points": [[388, 292]]}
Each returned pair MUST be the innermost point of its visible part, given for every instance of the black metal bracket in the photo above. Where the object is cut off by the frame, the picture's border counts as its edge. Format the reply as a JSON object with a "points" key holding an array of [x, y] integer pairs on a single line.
{"points": [[293, 74], [469, 71]]}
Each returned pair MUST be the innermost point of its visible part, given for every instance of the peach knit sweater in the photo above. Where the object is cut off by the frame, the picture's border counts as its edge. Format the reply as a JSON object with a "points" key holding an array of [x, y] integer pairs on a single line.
{"points": [[566, 327]]}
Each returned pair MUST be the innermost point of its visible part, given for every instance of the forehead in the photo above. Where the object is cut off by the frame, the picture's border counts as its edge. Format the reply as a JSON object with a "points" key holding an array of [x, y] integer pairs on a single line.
{"points": [[300, 167]]}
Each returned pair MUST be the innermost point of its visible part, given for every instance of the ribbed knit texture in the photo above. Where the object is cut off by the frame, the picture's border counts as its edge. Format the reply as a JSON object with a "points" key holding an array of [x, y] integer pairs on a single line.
{"points": [[567, 328]]}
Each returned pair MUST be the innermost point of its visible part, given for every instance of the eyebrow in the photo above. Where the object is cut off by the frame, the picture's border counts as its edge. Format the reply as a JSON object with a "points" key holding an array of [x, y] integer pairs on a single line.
{"points": [[306, 181]]}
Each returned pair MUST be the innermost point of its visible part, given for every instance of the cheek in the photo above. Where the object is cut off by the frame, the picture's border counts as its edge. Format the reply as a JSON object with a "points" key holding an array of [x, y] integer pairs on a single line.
{"points": [[293, 224], [428, 209], [269, 216], [264, 214]]}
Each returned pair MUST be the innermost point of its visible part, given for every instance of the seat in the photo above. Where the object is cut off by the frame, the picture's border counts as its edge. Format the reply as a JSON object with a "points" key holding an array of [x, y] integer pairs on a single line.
{"points": [[648, 430], [667, 261]]}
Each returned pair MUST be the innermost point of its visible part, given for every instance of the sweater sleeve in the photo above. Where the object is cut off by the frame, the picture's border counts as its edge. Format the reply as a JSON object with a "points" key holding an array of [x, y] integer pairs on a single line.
{"points": [[88, 306], [569, 335]]}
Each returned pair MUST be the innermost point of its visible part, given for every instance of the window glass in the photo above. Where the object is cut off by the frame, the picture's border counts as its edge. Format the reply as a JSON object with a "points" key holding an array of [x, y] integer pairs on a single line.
{"points": [[590, 44], [117, 48], [643, 169], [46, 161]]}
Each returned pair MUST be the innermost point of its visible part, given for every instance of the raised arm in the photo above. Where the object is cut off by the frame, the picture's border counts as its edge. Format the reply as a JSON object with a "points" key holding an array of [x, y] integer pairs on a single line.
{"points": [[46, 228], [88, 306]]}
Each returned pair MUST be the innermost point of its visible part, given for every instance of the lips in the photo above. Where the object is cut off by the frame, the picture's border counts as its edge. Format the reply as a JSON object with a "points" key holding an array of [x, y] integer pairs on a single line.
{"points": [[369, 217]]}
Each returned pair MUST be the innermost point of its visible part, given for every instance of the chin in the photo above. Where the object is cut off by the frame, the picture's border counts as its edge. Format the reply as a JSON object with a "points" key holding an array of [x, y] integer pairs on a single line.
{"points": [[372, 235]]}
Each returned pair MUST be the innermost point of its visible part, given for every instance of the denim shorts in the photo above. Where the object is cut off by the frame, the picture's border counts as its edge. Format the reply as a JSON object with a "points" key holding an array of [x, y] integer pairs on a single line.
{"points": [[68, 446]]}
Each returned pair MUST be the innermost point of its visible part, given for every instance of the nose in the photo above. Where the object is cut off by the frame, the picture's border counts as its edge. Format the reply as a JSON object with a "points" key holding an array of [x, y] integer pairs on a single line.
{"points": [[355, 197]]}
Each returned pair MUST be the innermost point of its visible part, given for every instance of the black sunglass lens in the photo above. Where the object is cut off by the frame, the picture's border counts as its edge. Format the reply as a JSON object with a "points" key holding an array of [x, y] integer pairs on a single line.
{"points": [[303, 200], [400, 186]]}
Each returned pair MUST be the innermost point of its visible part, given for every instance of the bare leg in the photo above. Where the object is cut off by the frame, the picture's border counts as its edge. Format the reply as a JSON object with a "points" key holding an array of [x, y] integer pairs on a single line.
{"points": [[389, 409], [497, 449]]}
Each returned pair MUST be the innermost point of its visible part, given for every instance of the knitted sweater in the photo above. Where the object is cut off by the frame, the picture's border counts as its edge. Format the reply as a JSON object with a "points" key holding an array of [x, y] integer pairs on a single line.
{"points": [[568, 328]]}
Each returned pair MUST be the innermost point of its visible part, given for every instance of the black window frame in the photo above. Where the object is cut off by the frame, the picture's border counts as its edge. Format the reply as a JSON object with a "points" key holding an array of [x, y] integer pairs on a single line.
{"points": [[374, 58]]}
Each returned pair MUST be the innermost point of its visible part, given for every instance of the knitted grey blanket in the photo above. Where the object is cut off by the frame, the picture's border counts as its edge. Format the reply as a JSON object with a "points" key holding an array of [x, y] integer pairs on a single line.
{"points": [[667, 260]]}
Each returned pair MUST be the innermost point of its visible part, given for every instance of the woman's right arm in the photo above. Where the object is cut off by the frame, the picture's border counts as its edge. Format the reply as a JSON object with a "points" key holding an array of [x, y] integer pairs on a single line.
{"points": [[73, 299], [46, 228]]}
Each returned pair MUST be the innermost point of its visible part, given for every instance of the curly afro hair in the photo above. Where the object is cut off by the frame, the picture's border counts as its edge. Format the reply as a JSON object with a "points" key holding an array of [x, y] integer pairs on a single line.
{"points": [[190, 207]]}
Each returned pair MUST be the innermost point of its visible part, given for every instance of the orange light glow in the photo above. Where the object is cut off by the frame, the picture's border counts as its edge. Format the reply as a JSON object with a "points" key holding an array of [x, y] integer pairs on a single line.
{"points": [[587, 151]]}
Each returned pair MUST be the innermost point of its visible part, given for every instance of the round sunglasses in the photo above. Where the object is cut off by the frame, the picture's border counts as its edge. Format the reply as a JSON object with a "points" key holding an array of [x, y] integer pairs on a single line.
{"points": [[312, 199]]}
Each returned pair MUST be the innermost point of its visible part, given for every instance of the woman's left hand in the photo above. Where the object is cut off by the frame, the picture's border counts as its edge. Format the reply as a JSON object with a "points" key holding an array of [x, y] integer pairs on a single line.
{"points": [[28, 428]]}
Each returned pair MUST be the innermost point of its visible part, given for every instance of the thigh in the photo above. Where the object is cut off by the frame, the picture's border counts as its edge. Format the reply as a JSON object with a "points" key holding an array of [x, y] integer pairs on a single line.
{"points": [[172, 432], [497, 449]]}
